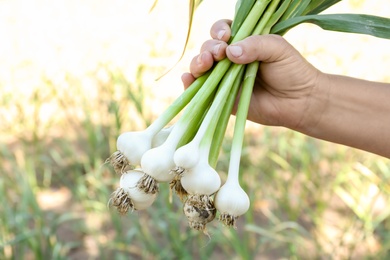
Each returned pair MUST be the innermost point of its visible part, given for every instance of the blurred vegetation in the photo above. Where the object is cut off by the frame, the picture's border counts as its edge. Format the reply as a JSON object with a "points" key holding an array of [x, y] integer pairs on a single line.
{"points": [[309, 199]]}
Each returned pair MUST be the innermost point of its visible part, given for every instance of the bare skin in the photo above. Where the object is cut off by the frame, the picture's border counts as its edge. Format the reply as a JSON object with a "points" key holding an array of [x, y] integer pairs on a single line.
{"points": [[290, 92]]}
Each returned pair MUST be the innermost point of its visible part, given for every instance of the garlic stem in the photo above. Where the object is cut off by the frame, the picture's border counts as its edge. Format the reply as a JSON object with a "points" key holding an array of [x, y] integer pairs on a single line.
{"points": [[241, 116], [220, 130], [276, 16], [259, 29], [211, 119], [177, 105], [188, 155], [243, 105], [196, 121], [251, 20], [132, 145]]}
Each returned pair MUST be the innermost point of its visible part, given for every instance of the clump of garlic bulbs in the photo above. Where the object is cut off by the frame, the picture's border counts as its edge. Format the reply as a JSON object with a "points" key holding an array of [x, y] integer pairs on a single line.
{"points": [[187, 165]]}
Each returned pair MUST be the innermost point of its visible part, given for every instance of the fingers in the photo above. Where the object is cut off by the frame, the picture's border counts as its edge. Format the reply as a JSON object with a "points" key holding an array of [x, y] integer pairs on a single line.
{"points": [[220, 30], [201, 63], [266, 48], [216, 48], [211, 51], [198, 66], [187, 79]]}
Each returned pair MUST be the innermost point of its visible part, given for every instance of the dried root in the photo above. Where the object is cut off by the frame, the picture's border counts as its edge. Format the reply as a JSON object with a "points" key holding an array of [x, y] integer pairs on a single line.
{"points": [[200, 210], [178, 171], [176, 186], [119, 162], [148, 184], [121, 201], [228, 220]]}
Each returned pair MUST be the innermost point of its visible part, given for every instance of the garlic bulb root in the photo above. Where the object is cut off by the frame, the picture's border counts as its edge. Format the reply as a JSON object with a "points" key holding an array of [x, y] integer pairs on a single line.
{"points": [[199, 210], [228, 220], [175, 185], [148, 184], [119, 162], [121, 201], [178, 171]]}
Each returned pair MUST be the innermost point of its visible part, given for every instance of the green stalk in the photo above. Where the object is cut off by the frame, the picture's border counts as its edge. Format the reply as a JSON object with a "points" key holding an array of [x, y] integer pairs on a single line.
{"points": [[223, 121], [241, 116], [206, 131], [198, 102], [276, 16], [252, 19], [317, 6], [221, 129], [178, 104], [204, 135], [296, 8], [229, 77], [242, 9], [245, 97], [265, 18], [196, 122]]}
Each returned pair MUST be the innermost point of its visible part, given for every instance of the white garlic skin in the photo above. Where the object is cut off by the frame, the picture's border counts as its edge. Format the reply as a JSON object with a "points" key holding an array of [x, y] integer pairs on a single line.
{"points": [[158, 163], [161, 136], [128, 183], [133, 145], [187, 156], [232, 199], [202, 179]]}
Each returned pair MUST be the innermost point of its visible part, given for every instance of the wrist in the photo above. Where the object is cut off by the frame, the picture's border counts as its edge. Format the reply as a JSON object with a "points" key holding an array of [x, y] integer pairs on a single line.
{"points": [[316, 105], [349, 111]]}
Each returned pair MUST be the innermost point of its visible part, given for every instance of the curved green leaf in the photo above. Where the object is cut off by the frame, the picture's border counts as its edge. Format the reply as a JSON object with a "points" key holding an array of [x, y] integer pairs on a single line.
{"points": [[276, 16], [296, 8], [351, 23], [317, 6], [243, 7]]}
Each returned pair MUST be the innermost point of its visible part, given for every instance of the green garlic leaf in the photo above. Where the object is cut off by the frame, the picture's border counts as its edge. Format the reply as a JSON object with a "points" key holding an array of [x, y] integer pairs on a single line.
{"points": [[350, 23], [317, 6]]}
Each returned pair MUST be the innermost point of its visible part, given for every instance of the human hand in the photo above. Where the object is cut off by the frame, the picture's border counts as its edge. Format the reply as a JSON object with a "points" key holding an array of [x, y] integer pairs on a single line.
{"points": [[282, 94]]}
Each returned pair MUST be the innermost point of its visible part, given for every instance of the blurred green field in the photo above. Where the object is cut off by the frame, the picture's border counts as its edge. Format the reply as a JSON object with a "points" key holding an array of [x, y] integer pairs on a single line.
{"points": [[59, 122]]}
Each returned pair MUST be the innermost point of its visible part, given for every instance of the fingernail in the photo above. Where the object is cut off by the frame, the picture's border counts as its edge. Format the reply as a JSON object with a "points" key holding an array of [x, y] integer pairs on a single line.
{"points": [[216, 49], [220, 34], [236, 51]]}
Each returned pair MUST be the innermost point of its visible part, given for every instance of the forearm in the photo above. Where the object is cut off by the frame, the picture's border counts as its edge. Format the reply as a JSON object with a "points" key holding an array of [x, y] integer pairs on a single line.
{"points": [[351, 112]]}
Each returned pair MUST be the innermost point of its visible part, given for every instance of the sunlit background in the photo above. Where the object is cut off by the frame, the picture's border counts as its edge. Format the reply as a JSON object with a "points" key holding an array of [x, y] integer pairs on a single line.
{"points": [[74, 74]]}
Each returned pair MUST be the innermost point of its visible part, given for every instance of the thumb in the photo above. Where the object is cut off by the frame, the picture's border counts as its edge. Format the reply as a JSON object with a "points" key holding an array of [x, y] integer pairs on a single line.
{"points": [[266, 48]]}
